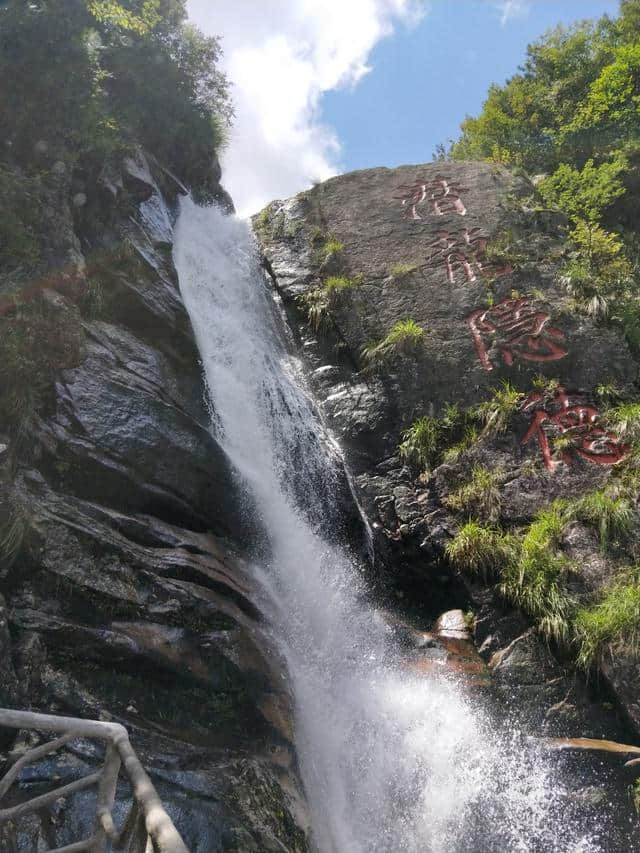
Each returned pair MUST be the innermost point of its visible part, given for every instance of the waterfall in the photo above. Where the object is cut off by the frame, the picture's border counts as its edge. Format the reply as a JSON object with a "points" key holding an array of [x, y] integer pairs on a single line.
{"points": [[391, 760]]}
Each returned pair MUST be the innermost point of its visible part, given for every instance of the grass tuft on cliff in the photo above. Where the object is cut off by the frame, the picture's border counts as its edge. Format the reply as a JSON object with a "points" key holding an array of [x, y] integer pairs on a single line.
{"points": [[479, 495], [315, 304], [625, 420], [531, 571], [481, 550], [420, 442], [611, 517], [497, 412], [405, 338], [614, 620], [432, 440], [338, 284], [400, 272], [332, 248]]}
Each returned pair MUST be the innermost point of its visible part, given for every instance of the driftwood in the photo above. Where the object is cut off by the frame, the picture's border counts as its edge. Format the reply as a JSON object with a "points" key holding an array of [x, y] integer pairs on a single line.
{"points": [[147, 829], [593, 745]]}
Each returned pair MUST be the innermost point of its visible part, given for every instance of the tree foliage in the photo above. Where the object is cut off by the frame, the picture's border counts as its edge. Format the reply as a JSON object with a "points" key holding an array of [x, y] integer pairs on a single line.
{"points": [[92, 76], [573, 113], [584, 193], [577, 96]]}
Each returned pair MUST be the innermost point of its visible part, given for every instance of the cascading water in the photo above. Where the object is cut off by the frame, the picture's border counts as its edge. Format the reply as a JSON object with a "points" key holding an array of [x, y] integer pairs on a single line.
{"points": [[391, 760]]}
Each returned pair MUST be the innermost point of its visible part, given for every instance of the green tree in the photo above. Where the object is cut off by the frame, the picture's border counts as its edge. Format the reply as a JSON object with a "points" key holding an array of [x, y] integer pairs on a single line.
{"points": [[585, 193], [575, 87], [90, 76], [611, 110]]}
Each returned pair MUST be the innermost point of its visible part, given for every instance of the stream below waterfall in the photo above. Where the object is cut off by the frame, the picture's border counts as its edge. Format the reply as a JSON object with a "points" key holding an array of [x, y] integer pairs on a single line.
{"points": [[390, 760]]}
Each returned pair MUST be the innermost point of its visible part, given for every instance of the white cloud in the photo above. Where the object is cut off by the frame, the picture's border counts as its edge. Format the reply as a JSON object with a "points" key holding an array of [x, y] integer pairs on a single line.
{"points": [[281, 56], [512, 9]]}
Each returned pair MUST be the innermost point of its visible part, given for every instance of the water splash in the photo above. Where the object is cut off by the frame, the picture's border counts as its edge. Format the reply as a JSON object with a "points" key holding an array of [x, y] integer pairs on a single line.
{"points": [[391, 761]]}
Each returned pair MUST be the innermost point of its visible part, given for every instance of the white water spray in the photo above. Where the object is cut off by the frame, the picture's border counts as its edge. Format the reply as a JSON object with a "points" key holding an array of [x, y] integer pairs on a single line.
{"points": [[391, 761]]}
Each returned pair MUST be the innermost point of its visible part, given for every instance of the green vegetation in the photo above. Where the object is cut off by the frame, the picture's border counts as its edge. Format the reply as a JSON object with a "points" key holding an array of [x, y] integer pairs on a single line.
{"points": [[338, 284], [533, 573], [480, 550], [430, 440], [480, 494], [584, 194], [400, 272], [319, 302], [625, 420], [470, 436], [315, 303], [92, 80], [92, 77], [264, 217], [611, 517], [497, 412], [503, 249], [534, 582], [332, 248], [20, 221], [614, 619], [420, 442], [405, 338], [573, 114], [607, 391], [577, 94]]}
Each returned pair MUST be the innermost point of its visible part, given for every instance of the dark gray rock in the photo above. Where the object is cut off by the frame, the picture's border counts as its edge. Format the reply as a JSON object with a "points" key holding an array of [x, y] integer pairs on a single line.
{"points": [[130, 599]]}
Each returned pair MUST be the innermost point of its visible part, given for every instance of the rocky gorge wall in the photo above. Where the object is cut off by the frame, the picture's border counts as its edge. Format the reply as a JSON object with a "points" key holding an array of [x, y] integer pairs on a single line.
{"points": [[124, 591], [427, 292]]}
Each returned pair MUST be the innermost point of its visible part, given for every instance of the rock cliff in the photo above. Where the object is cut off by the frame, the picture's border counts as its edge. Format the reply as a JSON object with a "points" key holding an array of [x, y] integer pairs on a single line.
{"points": [[469, 392], [124, 591]]}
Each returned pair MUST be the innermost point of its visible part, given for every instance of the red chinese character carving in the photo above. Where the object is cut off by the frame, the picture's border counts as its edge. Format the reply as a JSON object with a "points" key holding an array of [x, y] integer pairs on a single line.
{"points": [[578, 421], [461, 251], [520, 330], [444, 196]]}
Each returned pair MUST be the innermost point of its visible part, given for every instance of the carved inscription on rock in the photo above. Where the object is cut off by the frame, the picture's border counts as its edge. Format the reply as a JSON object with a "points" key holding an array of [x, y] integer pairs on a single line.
{"points": [[519, 330], [438, 197], [462, 255], [567, 414]]}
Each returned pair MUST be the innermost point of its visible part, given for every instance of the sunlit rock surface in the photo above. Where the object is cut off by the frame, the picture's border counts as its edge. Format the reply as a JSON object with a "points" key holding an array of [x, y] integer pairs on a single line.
{"points": [[418, 242]]}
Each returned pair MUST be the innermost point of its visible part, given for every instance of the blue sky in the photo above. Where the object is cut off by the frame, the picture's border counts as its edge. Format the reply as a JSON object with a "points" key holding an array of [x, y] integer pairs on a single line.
{"points": [[325, 86], [426, 79]]}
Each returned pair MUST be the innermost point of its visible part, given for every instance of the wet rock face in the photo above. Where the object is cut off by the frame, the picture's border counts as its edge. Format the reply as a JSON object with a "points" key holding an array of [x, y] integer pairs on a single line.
{"points": [[130, 598], [427, 243]]}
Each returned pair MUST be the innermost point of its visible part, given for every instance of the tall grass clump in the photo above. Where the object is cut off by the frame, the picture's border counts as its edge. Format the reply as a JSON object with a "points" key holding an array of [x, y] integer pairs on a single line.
{"points": [[480, 495], [332, 248], [318, 302], [614, 620], [420, 442], [405, 338], [625, 419], [481, 550], [536, 581], [432, 440], [337, 284], [611, 517], [497, 412]]}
